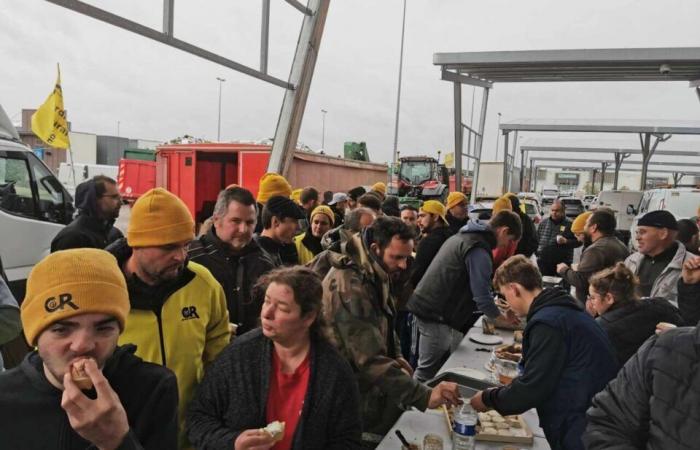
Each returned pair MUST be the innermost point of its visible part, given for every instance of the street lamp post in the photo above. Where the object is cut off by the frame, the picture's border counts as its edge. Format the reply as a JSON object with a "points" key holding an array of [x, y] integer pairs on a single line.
{"points": [[498, 136], [323, 130], [218, 132], [398, 95]]}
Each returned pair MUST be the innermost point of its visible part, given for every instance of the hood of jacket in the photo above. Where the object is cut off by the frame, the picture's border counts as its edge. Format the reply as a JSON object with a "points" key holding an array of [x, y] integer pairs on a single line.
{"points": [[86, 204], [356, 254], [554, 296], [480, 227]]}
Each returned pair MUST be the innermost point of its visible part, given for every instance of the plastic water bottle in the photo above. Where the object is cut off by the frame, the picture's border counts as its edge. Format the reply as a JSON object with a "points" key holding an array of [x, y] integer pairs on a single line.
{"points": [[464, 432]]}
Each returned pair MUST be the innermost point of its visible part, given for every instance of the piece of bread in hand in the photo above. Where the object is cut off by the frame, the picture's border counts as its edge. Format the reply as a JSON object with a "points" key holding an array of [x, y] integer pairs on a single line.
{"points": [[275, 430], [79, 376]]}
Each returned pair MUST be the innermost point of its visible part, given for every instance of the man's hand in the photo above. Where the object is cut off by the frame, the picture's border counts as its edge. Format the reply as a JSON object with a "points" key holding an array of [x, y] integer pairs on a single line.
{"points": [[405, 366], [691, 270], [561, 268], [477, 402], [254, 440], [445, 393], [101, 421]]}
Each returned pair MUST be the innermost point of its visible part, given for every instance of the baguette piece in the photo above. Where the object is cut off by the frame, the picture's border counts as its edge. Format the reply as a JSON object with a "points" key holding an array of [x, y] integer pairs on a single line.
{"points": [[79, 376], [275, 430]]}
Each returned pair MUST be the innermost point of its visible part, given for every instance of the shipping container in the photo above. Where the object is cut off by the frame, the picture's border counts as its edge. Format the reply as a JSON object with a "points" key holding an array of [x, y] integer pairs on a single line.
{"points": [[135, 177], [144, 154], [197, 172]]}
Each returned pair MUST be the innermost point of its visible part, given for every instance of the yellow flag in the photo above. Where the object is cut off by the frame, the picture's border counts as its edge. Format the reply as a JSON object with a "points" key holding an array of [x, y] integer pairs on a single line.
{"points": [[49, 121]]}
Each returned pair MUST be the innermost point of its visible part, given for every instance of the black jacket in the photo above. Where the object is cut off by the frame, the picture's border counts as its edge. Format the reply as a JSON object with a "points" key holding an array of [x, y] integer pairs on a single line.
{"points": [[237, 272], [527, 245], [689, 302], [426, 251], [629, 325], [455, 224], [654, 403], [31, 416], [87, 230], [281, 254], [233, 397]]}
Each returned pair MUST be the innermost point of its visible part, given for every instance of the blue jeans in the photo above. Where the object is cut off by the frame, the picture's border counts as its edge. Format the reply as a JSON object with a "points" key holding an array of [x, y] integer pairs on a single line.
{"points": [[435, 343]]}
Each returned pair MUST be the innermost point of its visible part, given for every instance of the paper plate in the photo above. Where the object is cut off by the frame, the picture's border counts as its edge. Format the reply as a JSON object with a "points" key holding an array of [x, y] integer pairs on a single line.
{"points": [[486, 339]]}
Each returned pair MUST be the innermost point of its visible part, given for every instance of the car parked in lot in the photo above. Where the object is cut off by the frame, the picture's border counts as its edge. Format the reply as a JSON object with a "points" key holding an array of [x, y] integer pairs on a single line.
{"points": [[588, 200], [683, 203], [572, 206], [532, 209]]}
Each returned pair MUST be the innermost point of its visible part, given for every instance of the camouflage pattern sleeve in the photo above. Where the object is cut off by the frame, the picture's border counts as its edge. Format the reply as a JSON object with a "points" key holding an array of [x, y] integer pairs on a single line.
{"points": [[361, 329]]}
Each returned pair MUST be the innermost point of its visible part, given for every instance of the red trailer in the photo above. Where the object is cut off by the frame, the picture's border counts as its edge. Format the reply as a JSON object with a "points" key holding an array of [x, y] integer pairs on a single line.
{"points": [[197, 172], [135, 177]]}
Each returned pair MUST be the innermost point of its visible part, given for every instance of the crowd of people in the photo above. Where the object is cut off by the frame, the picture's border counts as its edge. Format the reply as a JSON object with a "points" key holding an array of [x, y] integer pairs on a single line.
{"points": [[329, 312]]}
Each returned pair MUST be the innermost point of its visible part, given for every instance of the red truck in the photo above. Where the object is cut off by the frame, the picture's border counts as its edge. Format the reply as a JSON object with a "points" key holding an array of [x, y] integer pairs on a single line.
{"points": [[197, 172]]}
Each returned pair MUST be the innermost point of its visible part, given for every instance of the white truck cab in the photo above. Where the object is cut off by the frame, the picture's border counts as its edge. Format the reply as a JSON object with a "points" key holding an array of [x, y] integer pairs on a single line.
{"points": [[34, 206]]}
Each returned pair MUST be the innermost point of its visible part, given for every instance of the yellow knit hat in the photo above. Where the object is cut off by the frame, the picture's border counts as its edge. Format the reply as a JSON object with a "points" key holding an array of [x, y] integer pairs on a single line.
{"points": [[72, 282], [379, 187], [296, 196], [272, 184], [580, 222], [434, 207], [325, 210], [502, 203], [454, 199], [159, 218]]}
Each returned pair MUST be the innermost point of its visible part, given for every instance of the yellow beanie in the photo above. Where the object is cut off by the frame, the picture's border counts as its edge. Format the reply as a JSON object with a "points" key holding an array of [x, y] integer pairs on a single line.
{"points": [[272, 184], [296, 196], [72, 282], [454, 199], [159, 218], [434, 207], [580, 222], [325, 210], [379, 187], [502, 203]]}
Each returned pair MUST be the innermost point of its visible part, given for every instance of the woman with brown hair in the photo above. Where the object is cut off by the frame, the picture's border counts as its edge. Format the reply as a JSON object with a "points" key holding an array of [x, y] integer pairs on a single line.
{"points": [[628, 320], [285, 371]]}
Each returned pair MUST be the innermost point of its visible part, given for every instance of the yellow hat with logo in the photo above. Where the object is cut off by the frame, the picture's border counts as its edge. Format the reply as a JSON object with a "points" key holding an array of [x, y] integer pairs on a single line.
{"points": [[435, 207], [68, 283]]}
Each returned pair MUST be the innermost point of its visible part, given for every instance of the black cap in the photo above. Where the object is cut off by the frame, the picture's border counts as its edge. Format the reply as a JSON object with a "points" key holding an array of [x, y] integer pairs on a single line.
{"points": [[356, 192], [658, 219], [283, 207]]}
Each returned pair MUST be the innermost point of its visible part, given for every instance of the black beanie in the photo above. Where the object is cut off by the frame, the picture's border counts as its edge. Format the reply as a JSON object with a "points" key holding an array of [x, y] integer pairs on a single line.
{"points": [[658, 219]]}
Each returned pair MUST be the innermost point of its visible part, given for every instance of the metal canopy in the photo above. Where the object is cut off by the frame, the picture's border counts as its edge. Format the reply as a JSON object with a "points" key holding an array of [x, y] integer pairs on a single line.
{"points": [[603, 126], [615, 64], [482, 69], [676, 174]]}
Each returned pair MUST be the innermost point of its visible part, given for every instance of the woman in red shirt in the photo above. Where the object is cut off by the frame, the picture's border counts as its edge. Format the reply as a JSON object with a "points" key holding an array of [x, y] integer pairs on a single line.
{"points": [[285, 371]]}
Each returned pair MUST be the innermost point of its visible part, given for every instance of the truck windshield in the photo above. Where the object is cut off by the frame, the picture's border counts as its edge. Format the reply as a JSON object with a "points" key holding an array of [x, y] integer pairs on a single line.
{"points": [[416, 171], [550, 192]]}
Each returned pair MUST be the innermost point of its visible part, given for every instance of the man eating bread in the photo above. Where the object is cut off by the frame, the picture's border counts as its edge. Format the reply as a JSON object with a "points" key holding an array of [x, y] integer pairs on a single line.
{"points": [[78, 389]]}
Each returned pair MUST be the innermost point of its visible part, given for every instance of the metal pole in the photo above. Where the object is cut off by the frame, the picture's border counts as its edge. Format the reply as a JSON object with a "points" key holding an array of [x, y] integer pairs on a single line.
{"points": [[118, 124], [532, 182], [459, 134], [603, 168], [323, 132], [480, 141], [398, 93], [498, 135], [168, 17], [264, 35], [218, 129], [505, 162]]}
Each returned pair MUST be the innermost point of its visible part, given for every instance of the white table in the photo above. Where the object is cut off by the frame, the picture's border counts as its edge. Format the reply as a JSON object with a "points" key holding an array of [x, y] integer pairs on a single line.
{"points": [[415, 424]]}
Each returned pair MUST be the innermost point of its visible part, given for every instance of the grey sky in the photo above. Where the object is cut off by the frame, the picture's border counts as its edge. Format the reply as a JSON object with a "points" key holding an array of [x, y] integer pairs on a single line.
{"points": [[111, 75]]}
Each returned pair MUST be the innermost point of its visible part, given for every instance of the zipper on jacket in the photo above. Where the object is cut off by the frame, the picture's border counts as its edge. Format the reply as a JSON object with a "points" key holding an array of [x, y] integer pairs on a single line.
{"points": [[160, 335]]}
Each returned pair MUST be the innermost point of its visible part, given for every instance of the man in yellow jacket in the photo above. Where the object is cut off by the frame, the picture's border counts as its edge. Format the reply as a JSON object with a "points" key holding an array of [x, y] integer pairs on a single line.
{"points": [[178, 314]]}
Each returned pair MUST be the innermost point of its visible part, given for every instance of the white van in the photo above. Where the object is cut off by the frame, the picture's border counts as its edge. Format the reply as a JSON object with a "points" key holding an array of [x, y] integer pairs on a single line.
{"points": [[619, 202], [34, 206], [71, 175], [549, 194], [683, 203]]}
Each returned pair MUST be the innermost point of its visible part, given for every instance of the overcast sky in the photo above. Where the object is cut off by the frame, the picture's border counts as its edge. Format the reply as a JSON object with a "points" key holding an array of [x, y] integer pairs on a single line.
{"points": [[157, 92]]}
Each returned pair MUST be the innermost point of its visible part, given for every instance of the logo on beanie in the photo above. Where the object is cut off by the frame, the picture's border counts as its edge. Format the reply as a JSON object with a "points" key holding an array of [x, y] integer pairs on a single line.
{"points": [[53, 304]]}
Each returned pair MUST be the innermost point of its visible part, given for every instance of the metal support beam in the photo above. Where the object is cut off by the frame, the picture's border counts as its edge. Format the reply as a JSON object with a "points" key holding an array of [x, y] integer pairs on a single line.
{"points": [[506, 172], [593, 173], [522, 168], [619, 158], [479, 141], [264, 35], [168, 17], [294, 103], [308, 11], [532, 182], [648, 151], [677, 176], [603, 168], [134, 27], [463, 79], [459, 135]]}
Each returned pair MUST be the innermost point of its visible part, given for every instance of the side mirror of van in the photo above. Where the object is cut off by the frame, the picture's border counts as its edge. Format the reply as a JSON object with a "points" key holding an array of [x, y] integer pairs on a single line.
{"points": [[631, 210]]}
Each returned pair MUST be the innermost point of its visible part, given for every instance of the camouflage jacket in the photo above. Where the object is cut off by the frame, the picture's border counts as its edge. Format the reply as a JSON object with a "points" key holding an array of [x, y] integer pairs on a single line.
{"points": [[357, 302]]}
